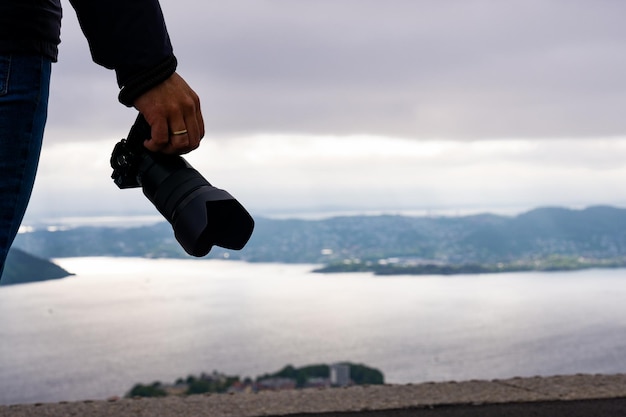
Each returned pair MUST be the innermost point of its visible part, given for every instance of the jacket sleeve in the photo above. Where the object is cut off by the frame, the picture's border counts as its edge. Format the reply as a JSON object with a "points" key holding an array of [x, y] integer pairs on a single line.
{"points": [[130, 37]]}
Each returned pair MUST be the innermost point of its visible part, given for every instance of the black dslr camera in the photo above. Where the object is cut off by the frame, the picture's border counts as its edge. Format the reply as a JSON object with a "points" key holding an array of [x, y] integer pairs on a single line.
{"points": [[200, 214]]}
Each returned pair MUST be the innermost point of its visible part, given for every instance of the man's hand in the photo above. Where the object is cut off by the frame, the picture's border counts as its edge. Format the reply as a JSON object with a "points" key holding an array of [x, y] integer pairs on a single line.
{"points": [[172, 109]]}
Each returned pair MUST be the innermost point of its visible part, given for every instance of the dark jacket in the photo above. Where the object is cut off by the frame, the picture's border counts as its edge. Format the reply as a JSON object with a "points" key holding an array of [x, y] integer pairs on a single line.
{"points": [[128, 36], [30, 26]]}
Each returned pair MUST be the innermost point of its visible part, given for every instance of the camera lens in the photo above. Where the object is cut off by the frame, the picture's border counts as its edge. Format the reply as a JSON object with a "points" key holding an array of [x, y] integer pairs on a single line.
{"points": [[200, 214]]}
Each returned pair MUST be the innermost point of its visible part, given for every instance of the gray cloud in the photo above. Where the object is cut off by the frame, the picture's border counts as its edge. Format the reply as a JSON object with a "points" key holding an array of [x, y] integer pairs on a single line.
{"points": [[418, 69]]}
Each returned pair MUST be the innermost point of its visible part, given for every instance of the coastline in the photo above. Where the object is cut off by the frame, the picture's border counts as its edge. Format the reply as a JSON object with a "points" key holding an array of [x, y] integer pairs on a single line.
{"points": [[552, 264]]}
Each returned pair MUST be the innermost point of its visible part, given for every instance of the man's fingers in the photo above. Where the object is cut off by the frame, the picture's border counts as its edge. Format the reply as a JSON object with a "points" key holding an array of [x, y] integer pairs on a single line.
{"points": [[194, 133], [159, 136], [179, 142], [199, 120]]}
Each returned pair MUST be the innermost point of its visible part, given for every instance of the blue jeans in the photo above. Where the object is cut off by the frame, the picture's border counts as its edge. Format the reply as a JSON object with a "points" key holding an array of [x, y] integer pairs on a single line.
{"points": [[24, 90]]}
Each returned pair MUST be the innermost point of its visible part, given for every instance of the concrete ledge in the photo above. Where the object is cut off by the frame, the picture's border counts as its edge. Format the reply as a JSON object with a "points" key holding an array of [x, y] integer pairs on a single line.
{"points": [[360, 400]]}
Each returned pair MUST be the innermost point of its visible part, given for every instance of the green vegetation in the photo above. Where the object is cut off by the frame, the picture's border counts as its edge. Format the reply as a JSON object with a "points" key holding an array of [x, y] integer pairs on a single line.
{"points": [[204, 385], [360, 374], [287, 378], [153, 390], [363, 375]]}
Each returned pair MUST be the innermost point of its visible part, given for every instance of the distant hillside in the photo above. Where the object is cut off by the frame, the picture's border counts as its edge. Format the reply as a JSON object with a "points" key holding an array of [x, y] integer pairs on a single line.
{"points": [[21, 268], [595, 233]]}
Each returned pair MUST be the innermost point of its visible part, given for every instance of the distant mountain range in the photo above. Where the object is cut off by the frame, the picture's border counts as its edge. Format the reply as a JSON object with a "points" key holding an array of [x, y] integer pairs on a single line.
{"points": [[595, 236]]}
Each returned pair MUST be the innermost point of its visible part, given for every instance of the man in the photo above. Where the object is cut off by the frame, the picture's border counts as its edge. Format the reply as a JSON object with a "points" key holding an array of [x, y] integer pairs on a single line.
{"points": [[128, 36]]}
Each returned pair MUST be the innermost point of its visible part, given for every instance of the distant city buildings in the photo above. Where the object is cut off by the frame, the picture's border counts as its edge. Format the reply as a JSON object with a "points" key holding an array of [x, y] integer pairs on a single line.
{"points": [[275, 384], [340, 375]]}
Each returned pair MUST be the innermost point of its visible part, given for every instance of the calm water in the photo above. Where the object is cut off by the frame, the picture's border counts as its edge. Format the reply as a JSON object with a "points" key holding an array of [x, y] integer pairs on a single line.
{"points": [[122, 321]]}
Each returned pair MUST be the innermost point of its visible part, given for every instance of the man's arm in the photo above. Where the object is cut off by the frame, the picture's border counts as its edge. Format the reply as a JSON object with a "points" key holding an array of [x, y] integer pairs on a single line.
{"points": [[130, 37]]}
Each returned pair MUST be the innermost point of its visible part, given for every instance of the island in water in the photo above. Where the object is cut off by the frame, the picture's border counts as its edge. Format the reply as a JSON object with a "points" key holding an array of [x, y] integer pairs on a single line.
{"points": [[289, 378]]}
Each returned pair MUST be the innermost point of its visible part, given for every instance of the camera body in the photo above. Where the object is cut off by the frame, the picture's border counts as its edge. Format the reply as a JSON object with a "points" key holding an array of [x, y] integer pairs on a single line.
{"points": [[201, 215]]}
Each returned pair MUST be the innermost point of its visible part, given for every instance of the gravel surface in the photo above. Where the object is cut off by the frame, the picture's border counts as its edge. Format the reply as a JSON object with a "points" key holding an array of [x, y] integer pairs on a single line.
{"points": [[375, 400]]}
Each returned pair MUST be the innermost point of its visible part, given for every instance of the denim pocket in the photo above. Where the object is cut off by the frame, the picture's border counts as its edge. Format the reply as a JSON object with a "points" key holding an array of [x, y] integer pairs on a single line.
{"points": [[5, 67]]}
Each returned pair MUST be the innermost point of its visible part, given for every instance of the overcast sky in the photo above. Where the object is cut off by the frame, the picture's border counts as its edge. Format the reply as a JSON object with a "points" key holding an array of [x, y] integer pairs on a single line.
{"points": [[381, 105]]}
